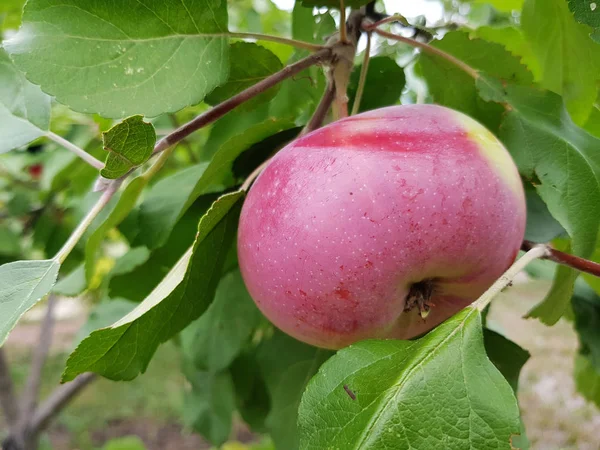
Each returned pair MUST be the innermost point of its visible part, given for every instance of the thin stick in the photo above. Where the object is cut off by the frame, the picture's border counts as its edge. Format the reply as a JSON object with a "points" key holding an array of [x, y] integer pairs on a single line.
{"points": [[221, 109], [426, 48], [281, 40], [363, 76], [8, 398], [324, 105], [57, 401], [75, 149], [32, 386], [87, 221], [565, 259], [538, 251], [395, 18], [343, 37]]}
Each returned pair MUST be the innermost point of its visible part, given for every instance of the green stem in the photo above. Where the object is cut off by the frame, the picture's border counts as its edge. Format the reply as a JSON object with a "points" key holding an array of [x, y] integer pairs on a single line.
{"points": [[86, 222], [539, 251], [75, 149], [280, 40], [158, 164], [363, 77], [343, 37]]}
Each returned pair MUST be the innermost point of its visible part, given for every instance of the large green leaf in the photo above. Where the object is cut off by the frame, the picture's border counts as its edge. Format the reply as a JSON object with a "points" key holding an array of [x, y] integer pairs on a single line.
{"points": [[287, 365], [451, 87], [130, 143], [587, 379], [383, 86], [123, 350], [169, 198], [563, 163], [214, 340], [503, 5], [586, 312], [438, 392], [24, 108], [249, 64], [570, 61], [209, 405], [130, 57], [507, 356], [22, 285]]}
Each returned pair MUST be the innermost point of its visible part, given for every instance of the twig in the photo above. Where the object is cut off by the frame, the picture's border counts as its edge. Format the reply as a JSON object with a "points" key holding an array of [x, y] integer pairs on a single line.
{"points": [[266, 37], [38, 359], [343, 37], [86, 222], [565, 259], [538, 251], [395, 18], [426, 48], [75, 149], [324, 105], [8, 399], [57, 401], [221, 109], [184, 142], [363, 76]]}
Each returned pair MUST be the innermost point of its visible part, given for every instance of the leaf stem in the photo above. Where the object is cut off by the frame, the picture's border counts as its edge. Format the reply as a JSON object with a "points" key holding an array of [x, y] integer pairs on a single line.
{"points": [[536, 252], [281, 40], [363, 76], [86, 222], [222, 108], [426, 48], [75, 149], [566, 259]]}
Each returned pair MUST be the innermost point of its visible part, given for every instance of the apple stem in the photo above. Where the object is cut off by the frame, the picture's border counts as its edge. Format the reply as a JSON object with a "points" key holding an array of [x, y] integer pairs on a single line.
{"points": [[536, 252], [584, 265], [425, 47]]}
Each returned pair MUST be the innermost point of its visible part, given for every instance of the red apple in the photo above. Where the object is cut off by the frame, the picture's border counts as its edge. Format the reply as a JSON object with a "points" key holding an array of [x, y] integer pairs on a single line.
{"points": [[380, 225]]}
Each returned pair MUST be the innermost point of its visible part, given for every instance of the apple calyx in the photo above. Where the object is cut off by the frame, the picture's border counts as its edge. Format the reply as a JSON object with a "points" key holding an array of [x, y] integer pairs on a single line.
{"points": [[419, 296]]}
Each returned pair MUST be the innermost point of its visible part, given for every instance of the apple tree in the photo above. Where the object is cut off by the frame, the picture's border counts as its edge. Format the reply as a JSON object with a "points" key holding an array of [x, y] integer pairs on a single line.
{"points": [[318, 204]]}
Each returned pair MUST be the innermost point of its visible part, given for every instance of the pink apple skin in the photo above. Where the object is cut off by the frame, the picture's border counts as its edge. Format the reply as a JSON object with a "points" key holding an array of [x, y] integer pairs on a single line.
{"points": [[345, 219]]}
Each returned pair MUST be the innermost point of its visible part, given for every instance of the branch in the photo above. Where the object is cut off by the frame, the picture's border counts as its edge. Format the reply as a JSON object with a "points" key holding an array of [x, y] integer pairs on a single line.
{"points": [[32, 386], [343, 37], [8, 399], [319, 115], [363, 76], [75, 149], [184, 142], [565, 259], [426, 48], [536, 252], [57, 401], [223, 108]]}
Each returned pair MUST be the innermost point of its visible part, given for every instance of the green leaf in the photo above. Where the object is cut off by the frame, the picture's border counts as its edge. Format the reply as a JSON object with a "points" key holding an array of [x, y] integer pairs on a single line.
{"points": [[570, 61], [592, 125], [214, 340], [134, 258], [586, 311], [555, 304], [123, 58], [503, 5], [310, 27], [24, 108], [125, 443], [287, 365], [507, 356], [587, 379], [586, 11], [249, 64], [169, 198], [73, 284], [541, 226], [130, 144], [123, 350], [253, 402], [209, 406], [121, 208], [107, 312], [452, 87], [384, 84], [22, 285], [10, 244], [439, 391]]}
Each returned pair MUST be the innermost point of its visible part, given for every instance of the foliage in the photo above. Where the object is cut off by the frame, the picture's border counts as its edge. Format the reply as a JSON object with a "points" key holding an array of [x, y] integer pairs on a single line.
{"points": [[150, 239]]}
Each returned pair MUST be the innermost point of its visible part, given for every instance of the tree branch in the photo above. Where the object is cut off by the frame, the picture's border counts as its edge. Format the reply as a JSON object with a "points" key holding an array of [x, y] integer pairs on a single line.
{"points": [[38, 359], [75, 149], [223, 108], [8, 399], [426, 48], [57, 401], [319, 115], [565, 259]]}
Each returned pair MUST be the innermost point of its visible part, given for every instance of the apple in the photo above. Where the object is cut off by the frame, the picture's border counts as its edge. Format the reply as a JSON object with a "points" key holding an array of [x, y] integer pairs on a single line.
{"points": [[380, 225]]}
